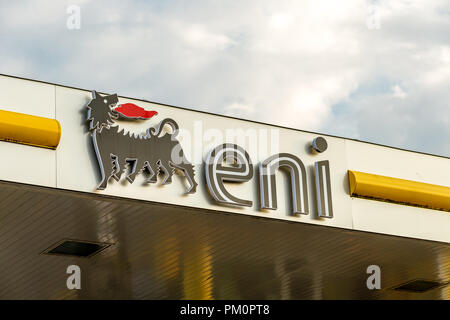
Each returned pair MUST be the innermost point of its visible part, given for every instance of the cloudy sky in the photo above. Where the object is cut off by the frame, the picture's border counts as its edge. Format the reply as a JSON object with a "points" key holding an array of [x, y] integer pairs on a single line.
{"points": [[371, 70]]}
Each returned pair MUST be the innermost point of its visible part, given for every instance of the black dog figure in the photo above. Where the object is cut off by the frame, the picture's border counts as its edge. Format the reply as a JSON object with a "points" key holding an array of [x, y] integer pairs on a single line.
{"points": [[148, 152]]}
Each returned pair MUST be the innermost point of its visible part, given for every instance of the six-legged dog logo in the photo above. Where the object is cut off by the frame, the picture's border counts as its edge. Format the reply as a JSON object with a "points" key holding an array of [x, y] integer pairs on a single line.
{"points": [[149, 153]]}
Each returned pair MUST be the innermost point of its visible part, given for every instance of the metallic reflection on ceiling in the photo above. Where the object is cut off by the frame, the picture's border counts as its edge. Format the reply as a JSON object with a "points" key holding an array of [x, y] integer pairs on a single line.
{"points": [[168, 252]]}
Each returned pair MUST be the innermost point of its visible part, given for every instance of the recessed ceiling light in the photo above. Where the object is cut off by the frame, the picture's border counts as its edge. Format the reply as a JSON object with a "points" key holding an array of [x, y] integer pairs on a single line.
{"points": [[76, 248], [418, 286]]}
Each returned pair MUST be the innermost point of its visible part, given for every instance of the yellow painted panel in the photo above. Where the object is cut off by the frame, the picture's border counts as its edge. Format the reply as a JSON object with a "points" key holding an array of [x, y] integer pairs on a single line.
{"points": [[31, 130], [398, 190]]}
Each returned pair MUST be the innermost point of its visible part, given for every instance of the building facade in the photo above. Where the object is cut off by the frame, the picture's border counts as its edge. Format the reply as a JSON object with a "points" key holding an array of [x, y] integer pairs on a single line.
{"points": [[152, 201]]}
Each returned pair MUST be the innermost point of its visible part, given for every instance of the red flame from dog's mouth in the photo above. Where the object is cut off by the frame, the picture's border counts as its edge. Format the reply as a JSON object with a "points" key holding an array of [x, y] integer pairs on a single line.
{"points": [[132, 111]]}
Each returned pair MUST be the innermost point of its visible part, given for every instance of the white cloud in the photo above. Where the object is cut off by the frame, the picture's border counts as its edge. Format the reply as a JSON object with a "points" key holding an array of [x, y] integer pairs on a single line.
{"points": [[199, 37], [237, 109], [280, 20], [398, 92], [307, 64]]}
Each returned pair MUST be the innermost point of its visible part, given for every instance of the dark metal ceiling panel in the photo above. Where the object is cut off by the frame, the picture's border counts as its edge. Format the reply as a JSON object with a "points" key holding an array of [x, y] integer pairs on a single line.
{"points": [[168, 252]]}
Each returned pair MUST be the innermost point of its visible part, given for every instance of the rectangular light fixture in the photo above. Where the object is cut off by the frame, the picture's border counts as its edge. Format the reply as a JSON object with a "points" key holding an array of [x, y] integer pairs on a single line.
{"points": [[400, 191], [76, 248], [31, 130], [418, 286]]}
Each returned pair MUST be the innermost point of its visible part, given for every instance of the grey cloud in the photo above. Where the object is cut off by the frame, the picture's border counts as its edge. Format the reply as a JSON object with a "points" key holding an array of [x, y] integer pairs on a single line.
{"points": [[309, 71]]}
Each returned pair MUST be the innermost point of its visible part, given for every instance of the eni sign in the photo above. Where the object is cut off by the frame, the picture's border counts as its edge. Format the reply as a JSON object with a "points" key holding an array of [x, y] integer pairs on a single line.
{"points": [[158, 152], [242, 171]]}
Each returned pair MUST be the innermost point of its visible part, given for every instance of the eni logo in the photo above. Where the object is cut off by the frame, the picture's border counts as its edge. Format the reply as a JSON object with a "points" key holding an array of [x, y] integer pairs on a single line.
{"points": [[150, 153], [242, 171], [157, 151]]}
